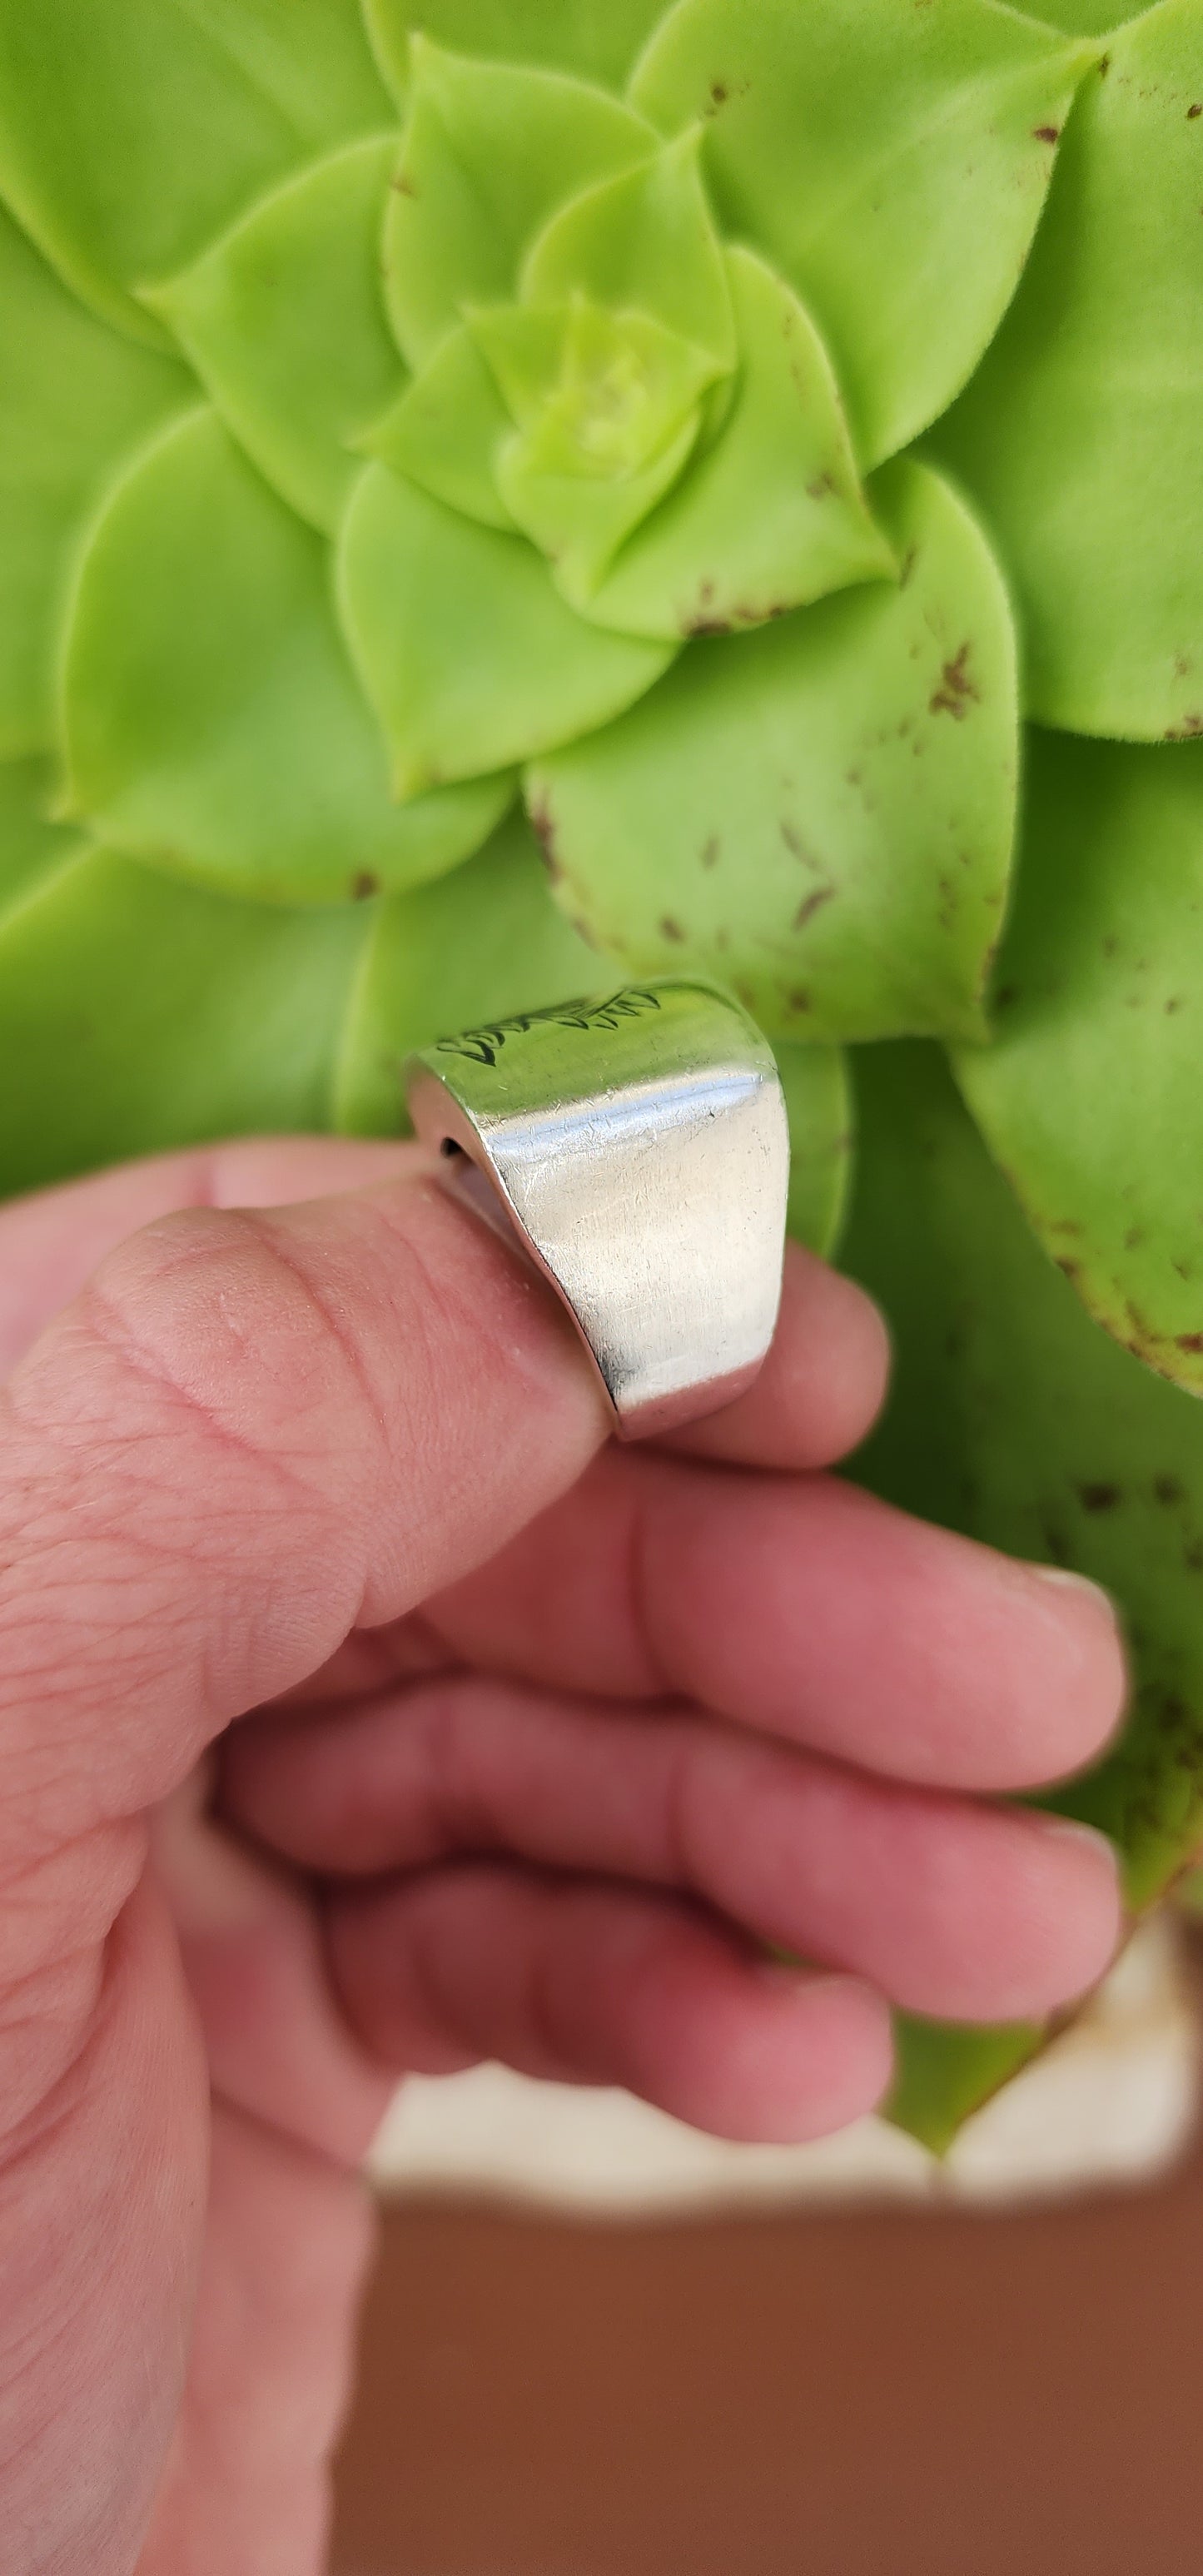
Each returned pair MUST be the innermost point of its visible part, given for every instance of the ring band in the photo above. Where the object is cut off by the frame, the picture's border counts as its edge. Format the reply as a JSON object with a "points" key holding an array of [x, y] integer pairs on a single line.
{"points": [[637, 1146]]}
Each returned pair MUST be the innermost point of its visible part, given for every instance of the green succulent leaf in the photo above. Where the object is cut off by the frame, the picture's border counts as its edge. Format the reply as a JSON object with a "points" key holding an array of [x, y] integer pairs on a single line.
{"points": [[33, 846], [1082, 435], [211, 718], [1091, 1098], [607, 407], [820, 812], [600, 43], [446, 430], [75, 400], [477, 946], [945, 2071], [489, 151], [644, 241], [818, 1101], [1086, 17], [133, 131], [892, 162], [137, 1014], [1013, 1418], [771, 514], [464, 646], [284, 321]]}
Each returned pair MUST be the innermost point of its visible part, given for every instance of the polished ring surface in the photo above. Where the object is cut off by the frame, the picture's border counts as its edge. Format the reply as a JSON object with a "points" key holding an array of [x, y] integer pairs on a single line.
{"points": [[637, 1145]]}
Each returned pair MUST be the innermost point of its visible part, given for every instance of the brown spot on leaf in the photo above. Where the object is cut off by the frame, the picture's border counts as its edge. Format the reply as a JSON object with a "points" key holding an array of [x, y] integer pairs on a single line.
{"points": [[813, 903], [798, 1000], [1046, 133], [403, 184], [1190, 1341], [668, 928], [722, 88], [822, 488], [364, 886], [703, 625], [1188, 731], [1099, 1498], [711, 850], [957, 691], [1168, 1490], [1196, 110]]}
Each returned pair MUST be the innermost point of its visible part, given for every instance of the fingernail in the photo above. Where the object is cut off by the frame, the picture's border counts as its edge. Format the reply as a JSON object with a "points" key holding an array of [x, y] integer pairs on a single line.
{"points": [[1073, 1582], [1070, 1829], [787, 1977]]}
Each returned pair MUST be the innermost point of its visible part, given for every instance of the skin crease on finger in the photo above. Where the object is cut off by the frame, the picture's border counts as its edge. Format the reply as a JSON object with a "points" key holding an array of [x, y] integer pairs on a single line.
{"points": [[378, 1377]]}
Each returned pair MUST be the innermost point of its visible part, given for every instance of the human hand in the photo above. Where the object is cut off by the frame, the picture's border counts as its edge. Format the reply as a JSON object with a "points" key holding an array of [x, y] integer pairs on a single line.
{"points": [[361, 1710]]}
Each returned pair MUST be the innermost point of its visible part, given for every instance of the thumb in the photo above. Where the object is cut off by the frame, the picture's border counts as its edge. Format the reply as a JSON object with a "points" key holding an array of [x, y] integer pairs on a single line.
{"points": [[250, 1433]]}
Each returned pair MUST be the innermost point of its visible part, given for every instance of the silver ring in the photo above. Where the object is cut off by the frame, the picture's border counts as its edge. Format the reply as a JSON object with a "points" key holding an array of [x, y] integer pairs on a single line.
{"points": [[637, 1146]]}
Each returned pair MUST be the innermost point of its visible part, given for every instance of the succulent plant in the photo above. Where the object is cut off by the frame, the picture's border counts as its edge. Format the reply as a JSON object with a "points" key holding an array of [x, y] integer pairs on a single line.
{"points": [[753, 450]]}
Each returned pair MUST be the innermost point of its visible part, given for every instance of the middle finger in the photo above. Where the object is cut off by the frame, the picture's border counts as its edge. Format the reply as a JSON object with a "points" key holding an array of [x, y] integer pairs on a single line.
{"points": [[966, 1911]]}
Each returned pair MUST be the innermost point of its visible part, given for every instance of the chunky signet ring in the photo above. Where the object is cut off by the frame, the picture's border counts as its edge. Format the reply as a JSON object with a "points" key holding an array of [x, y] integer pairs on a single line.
{"points": [[637, 1146]]}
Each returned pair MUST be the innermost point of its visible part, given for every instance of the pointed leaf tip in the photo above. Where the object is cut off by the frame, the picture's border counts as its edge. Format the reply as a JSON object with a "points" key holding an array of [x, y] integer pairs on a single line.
{"points": [[464, 647], [211, 719], [132, 133], [771, 514], [892, 163], [641, 240], [284, 321], [821, 812], [488, 152]]}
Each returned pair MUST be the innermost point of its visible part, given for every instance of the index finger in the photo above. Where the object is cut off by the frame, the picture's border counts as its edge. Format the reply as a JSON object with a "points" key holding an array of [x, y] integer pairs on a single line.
{"points": [[805, 1608]]}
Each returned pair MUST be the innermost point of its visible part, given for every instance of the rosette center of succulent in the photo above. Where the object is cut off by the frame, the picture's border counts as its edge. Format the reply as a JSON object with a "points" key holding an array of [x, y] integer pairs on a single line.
{"points": [[595, 369], [593, 393], [605, 409]]}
